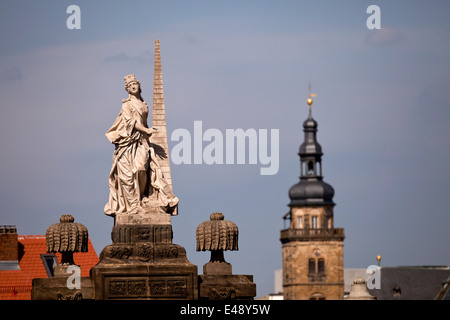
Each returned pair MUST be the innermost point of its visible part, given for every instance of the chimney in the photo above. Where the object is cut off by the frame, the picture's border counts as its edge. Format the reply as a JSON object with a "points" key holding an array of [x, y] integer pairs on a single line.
{"points": [[9, 246]]}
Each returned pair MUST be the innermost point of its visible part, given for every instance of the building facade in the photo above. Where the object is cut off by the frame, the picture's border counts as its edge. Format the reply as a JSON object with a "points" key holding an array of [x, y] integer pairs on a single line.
{"points": [[25, 257], [312, 248]]}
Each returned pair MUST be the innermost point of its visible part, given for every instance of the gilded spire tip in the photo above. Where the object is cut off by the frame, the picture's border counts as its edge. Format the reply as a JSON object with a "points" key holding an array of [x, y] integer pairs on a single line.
{"points": [[310, 96]]}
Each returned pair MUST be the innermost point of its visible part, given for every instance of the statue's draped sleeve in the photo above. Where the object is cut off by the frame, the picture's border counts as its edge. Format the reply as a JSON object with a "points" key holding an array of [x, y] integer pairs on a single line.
{"points": [[121, 132]]}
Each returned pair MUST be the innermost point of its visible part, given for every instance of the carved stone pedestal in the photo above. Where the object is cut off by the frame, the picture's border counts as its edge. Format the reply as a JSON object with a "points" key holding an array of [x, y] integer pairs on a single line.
{"points": [[143, 263], [218, 282], [226, 287], [57, 288], [217, 268]]}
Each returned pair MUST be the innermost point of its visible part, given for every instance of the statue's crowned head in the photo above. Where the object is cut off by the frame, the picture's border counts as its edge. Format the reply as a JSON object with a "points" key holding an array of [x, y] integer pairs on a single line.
{"points": [[130, 79]]}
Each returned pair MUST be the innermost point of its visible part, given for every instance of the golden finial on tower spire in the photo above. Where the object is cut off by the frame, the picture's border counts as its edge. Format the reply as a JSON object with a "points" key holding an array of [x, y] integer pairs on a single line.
{"points": [[310, 96]]}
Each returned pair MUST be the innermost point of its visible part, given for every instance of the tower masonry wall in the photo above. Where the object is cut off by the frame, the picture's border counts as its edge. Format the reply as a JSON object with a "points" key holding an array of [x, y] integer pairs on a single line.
{"points": [[299, 283], [323, 213]]}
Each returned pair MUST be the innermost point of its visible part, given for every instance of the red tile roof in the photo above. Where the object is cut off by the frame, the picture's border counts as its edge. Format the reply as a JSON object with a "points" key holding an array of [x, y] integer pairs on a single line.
{"points": [[16, 284]]}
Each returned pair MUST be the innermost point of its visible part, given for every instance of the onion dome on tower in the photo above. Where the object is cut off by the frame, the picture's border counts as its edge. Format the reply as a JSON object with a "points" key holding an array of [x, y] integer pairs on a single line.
{"points": [[311, 190]]}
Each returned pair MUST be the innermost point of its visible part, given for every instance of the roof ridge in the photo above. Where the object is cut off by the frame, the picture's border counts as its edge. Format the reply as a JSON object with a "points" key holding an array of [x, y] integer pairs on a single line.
{"points": [[31, 236]]}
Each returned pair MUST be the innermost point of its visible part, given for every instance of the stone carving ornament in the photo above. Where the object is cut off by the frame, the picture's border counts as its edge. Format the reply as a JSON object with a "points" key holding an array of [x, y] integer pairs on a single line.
{"points": [[217, 235], [135, 179], [67, 237]]}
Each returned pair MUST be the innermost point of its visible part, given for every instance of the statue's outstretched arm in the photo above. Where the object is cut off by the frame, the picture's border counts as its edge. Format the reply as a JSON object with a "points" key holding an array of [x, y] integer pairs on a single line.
{"points": [[149, 131]]}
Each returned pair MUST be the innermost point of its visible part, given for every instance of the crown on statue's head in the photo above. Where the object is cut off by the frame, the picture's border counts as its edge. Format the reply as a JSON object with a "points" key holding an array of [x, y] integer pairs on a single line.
{"points": [[129, 79]]}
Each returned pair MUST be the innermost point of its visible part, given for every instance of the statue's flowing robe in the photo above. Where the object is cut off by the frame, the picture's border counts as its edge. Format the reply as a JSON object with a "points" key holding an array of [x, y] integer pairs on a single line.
{"points": [[135, 171]]}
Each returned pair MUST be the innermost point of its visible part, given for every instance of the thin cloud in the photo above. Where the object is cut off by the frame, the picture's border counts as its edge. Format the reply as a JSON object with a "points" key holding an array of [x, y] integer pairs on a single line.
{"points": [[12, 74], [143, 58], [385, 36]]}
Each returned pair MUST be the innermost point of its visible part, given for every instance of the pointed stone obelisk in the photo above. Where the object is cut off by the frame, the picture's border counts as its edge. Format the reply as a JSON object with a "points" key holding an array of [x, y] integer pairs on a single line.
{"points": [[159, 139]]}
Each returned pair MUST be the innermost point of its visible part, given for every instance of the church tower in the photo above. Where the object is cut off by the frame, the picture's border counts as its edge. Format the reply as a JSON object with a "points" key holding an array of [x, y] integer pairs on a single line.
{"points": [[312, 248]]}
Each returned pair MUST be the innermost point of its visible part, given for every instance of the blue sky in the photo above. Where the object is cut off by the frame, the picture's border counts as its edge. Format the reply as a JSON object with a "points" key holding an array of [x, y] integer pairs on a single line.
{"points": [[382, 106]]}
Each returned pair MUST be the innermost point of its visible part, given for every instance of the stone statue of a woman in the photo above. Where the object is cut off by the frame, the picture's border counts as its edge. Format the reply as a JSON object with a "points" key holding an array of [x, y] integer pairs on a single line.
{"points": [[135, 176]]}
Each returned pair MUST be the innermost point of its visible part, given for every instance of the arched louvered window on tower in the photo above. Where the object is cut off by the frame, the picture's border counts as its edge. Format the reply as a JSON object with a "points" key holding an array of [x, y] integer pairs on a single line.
{"points": [[321, 265], [312, 266]]}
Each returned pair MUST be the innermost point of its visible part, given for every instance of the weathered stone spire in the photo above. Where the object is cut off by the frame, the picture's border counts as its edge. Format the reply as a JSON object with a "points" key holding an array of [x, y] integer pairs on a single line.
{"points": [[159, 139]]}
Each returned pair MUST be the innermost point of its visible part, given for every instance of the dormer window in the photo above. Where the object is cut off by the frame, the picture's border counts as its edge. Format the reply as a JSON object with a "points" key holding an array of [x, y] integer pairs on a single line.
{"points": [[50, 262], [396, 291]]}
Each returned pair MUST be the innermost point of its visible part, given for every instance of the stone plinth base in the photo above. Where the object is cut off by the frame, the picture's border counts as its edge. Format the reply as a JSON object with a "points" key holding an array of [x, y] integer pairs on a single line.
{"points": [[142, 233], [56, 289], [226, 287], [151, 281], [149, 218], [216, 268], [143, 263]]}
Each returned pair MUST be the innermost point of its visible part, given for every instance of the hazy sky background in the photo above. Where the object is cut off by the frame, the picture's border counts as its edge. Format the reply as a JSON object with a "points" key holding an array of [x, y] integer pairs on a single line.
{"points": [[382, 106]]}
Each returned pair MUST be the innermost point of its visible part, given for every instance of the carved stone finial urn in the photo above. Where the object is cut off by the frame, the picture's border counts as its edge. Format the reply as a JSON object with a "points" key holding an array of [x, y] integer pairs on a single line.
{"points": [[67, 237], [218, 281], [359, 291], [217, 235]]}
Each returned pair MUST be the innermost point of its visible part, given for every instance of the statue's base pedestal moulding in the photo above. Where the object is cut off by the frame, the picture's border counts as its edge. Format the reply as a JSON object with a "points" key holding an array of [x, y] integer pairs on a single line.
{"points": [[143, 263], [148, 218], [150, 281]]}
